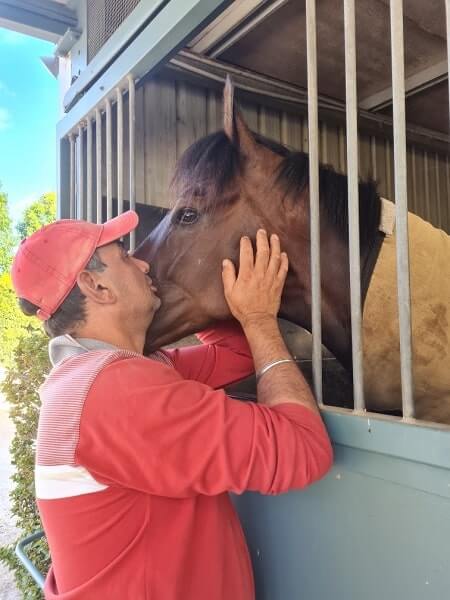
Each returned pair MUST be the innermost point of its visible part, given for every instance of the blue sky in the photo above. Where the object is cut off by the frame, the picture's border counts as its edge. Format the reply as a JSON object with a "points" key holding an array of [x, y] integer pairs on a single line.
{"points": [[28, 117]]}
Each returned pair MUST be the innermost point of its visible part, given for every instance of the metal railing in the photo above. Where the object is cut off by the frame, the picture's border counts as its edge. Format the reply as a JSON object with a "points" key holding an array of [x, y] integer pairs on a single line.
{"points": [[83, 189], [38, 577]]}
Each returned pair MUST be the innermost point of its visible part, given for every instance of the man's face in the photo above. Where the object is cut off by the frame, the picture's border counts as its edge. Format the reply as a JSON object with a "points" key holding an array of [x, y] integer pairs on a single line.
{"points": [[128, 279]]}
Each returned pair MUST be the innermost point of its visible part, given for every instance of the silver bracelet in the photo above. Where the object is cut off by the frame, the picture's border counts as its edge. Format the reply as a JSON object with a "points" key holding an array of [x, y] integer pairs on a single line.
{"points": [[274, 363]]}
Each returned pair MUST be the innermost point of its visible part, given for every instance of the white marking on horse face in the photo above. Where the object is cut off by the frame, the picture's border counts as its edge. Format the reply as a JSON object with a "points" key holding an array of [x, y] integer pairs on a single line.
{"points": [[199, 261]]}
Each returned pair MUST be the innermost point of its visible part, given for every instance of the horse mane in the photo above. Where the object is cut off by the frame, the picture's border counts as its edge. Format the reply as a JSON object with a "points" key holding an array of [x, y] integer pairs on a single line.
{"points": [[211, 164]]}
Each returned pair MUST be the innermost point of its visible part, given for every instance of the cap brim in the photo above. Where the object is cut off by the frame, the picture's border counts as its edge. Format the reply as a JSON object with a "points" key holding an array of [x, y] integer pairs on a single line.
{"points": [[116, 228]]}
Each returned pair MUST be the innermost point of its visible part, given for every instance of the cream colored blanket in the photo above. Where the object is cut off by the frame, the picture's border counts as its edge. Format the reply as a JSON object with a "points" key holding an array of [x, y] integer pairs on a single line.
{"points": [[430, 306]]}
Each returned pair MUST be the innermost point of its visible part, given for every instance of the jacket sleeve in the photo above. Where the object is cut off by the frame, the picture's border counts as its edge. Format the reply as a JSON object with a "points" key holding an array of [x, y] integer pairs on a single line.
{"points": [[157, 433], [223, 358]]}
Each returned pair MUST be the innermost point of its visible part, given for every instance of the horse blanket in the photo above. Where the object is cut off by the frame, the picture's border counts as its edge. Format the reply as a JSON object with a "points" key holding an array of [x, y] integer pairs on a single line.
{"points": [[429, 252]]}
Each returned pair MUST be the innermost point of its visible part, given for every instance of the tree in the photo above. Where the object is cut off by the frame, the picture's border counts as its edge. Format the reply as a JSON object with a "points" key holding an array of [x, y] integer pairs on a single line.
{"points": [[40, 213], [14, 325], [7, 240]]}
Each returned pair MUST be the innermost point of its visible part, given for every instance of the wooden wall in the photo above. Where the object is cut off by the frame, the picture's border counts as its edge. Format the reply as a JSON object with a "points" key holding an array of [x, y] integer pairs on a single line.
{"points": [[170, 115]]}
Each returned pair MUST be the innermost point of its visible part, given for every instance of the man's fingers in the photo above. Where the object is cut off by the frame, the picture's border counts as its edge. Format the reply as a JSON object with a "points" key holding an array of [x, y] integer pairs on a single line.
{"points": [[228, 276], [262, 252], [275, 256], [246, 260], [282, 270]]}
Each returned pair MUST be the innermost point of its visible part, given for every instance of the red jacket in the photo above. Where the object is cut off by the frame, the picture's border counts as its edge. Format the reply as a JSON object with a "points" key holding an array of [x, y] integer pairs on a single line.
{"points": [[134, 461]]}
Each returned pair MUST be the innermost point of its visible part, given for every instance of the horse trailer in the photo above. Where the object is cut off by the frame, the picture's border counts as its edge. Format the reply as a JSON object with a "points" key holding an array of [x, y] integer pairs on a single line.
{"points": [[361, 86]]}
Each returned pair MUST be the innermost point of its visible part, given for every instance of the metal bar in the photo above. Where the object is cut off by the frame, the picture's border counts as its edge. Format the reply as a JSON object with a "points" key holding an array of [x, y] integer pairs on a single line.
{"points": [[324, 142], [80, 194], [414, 179], [387, 159], [119, 151], [353, 202], [89, 170], [373, 156], [30, 567], [132, 140], [63, 175], [427, 186], [72, 177], [314, 207], [108, 160], [98, 162], [438, 190], [401, 206], [447, 12], [341, 141]]}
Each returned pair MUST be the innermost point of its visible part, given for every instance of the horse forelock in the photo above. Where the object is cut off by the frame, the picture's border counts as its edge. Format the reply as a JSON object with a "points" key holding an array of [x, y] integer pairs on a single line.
{"points": [[210, 165], [206, 169]]}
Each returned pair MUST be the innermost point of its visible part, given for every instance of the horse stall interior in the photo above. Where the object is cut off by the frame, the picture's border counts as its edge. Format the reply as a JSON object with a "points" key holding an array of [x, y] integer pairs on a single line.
{"points": [[378, 526]]}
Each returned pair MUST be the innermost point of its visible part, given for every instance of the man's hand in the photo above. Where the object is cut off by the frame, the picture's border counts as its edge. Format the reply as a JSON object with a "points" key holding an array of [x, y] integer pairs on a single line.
{"points": [[255, 293]]}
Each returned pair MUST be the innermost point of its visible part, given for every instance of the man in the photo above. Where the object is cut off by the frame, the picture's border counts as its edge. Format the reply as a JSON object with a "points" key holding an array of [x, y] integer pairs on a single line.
{"points": [[135, 455]]}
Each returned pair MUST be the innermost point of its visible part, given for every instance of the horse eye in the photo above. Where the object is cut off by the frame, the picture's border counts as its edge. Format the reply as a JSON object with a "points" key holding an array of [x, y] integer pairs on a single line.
{"points": [[186, 216]]}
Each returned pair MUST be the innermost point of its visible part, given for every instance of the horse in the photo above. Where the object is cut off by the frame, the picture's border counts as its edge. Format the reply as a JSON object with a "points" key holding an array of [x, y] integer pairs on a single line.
{"points": [[233, 182]]}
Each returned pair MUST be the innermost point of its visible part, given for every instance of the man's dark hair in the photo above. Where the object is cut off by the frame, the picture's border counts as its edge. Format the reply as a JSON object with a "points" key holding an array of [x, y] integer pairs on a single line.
{"points": [[71, 312]]}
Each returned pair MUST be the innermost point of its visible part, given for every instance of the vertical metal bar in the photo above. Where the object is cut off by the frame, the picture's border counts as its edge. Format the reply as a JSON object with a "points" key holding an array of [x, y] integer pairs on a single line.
{"points": [[341, 141], [80, 195], [63, 175], [438, 190], [72, 176], [119, 151], [353, 201], [414, 178], [313, 145], [373, 156], [89, 170], [427, 186], [108, 160], [324, 144], [401, 206], [387, 158], [98, 162], [447, 12], [447, 187], [132, 124]]}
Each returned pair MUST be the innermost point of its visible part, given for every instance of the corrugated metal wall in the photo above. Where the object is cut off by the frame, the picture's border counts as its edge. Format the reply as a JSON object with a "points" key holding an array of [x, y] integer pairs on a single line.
{"points": [[170, 115]]}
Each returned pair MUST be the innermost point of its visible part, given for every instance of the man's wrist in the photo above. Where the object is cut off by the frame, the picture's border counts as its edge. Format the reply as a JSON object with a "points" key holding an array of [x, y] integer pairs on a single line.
{"points": [[258, 320]]}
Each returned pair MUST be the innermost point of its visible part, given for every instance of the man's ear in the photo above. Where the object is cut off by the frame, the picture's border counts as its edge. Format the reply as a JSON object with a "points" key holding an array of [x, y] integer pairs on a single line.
{"points": [[91, 286], [234, 125]]}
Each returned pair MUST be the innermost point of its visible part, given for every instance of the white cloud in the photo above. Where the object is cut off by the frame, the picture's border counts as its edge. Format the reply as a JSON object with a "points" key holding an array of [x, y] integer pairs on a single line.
{"points": [[5, 118]]}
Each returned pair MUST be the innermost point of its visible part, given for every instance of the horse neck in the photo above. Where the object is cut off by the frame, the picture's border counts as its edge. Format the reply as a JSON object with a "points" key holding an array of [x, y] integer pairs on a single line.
{"points": [[335, 302]]}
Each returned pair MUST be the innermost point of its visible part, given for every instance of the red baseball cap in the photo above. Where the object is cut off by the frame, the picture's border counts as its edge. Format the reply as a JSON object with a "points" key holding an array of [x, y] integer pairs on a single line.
{"points": [[47, 263]]}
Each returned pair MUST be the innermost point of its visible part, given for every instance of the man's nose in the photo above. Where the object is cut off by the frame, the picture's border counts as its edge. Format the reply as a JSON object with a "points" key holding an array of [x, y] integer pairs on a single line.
{"points": [[142, 264]]}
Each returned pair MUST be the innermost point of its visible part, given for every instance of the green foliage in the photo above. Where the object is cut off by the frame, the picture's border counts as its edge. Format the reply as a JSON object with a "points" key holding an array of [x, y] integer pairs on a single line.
{"points": [[23, 350], [7, 240], [20, 387], [40, 213], [13, 323]]}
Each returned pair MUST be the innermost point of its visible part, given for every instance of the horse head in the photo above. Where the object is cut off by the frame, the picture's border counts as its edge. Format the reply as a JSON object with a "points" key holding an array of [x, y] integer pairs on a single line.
{"points": [[228, 184]]}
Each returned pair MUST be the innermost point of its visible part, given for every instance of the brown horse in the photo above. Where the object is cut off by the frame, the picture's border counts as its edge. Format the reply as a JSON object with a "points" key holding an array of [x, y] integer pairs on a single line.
{"points": [[233, 182]]}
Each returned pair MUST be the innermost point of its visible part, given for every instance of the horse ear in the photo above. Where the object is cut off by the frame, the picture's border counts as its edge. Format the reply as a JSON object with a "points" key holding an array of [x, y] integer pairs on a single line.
{"points": [[233, 124]]}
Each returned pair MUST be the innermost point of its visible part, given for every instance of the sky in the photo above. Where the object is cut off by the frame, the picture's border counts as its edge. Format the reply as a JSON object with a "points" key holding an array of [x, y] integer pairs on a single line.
{"points": [[28, 117]]}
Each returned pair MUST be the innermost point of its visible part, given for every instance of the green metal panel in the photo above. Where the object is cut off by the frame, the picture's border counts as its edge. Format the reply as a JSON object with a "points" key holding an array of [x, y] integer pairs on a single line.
{"points": [[376, 528]]}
